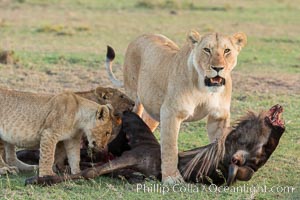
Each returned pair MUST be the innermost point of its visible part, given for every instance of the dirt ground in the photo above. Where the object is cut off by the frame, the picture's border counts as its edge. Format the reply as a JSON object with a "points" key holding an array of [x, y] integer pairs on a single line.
{"points": [[275, 84], [54, 80], [80, 79]]}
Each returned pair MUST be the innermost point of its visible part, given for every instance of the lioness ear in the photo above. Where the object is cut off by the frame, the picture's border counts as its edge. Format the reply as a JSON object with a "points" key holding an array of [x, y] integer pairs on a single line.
{"points": [[102, 113], [111, 109], [193, 37], [240, 40]]}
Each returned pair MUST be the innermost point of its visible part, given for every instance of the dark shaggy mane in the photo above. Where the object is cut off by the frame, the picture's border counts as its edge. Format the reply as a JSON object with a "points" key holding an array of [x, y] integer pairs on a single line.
{"points": [[249, 122], [211, 155], [249, 117]]}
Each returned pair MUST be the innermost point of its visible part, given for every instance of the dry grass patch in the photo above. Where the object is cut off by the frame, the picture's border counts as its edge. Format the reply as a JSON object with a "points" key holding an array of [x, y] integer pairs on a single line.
{"points": [[64, 30]]}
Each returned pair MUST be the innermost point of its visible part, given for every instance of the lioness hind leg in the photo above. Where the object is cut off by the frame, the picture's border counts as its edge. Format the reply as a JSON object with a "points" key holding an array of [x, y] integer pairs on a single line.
{"points": [[72, 147], [12, 160], [152, 123]]}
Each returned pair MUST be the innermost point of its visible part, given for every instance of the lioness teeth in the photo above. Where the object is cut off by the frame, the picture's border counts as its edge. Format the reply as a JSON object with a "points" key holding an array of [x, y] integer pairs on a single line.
{"points": [[215, 80]]}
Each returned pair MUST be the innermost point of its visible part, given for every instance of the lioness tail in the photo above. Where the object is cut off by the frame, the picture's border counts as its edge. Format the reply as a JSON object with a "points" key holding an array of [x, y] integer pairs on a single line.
{"points": [[110, 56]]}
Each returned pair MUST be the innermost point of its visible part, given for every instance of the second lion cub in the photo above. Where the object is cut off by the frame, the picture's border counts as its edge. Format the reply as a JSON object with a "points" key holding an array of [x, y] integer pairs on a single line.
{"points": [[31, 120]]}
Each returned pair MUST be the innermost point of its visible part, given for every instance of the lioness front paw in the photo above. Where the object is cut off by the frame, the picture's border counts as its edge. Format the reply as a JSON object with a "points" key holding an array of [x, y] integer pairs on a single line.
{"points": [[171, 180], [9, 170]]}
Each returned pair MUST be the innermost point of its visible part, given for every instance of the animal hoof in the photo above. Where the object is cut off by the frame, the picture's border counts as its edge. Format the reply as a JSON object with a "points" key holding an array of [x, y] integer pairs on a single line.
{"points": [[9, 170], [31, 181]]}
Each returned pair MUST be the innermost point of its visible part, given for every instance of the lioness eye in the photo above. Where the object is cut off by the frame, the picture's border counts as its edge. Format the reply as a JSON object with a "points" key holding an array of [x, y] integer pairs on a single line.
{"points": [[226, 50], [107, 133], [207, 50], [122, 96]]}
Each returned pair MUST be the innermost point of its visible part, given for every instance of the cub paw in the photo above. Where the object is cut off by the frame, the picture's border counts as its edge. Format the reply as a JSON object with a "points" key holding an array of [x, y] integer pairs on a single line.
{"points": [[9, 170], [50, 173]]}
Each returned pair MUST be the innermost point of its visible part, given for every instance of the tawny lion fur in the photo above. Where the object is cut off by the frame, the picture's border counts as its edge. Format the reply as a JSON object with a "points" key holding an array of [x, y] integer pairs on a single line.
{"points": [[31, 120], [168, 83], [101, 95]]}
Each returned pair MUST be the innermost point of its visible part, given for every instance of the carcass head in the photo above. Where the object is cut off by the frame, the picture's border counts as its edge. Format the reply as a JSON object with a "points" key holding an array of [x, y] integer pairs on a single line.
{"points": [[251, 142]]}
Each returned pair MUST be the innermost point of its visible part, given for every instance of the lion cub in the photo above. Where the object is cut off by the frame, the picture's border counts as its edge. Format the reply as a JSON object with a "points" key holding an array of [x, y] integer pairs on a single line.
{"points": [[31, 120]]}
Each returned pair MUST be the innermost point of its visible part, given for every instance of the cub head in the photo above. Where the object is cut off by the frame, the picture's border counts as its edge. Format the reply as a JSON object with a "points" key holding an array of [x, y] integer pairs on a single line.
{"points": [[7, 57], [101, 133], [119, 101], [214, 56]]}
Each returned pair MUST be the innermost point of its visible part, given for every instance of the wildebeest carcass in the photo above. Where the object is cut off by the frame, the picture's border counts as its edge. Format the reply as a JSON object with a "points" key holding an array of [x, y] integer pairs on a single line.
{"points": [[241, 151]]}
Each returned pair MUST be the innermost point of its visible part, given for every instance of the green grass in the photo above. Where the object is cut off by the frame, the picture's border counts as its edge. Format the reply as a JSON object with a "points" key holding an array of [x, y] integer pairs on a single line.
{"points": [[56, 34]]}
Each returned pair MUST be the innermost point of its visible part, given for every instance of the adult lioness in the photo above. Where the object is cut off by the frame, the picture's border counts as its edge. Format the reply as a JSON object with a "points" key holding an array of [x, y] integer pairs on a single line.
{"points": [[180, 84], [29, 120]]}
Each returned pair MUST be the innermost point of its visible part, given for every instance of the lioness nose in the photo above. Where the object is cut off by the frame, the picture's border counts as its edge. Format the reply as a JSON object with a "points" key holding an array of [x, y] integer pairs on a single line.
{"points": [[217, 69]]}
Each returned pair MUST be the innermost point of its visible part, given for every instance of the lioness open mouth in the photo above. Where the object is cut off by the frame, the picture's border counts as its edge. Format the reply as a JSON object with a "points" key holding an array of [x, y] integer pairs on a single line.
{"points": [[216, 81], [274, 116]]}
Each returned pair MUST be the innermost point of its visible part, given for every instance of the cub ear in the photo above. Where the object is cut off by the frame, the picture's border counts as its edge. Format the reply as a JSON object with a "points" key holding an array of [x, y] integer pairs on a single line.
{"points": [[106, 95], [240, 39], [99, 90], [103, 113], [111, 109], [193, 36]]}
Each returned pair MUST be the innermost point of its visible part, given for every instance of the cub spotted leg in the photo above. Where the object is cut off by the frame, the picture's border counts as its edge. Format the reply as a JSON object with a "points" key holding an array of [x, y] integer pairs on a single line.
{"points": [[12, 160], [47, 152], [72, 147]]}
